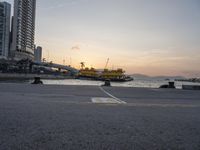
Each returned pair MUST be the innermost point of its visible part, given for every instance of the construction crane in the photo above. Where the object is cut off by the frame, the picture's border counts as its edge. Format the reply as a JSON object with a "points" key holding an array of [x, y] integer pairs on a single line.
{"points": [[107, 63]]}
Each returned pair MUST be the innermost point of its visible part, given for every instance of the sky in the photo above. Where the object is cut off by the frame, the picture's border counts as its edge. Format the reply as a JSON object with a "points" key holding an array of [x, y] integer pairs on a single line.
{"points": [[152, 37]]}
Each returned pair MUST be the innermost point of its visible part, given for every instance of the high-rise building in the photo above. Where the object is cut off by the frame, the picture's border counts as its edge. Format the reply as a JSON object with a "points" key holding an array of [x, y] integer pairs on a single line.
{"points": [[23, 26], [38, 54], [5, 11]]}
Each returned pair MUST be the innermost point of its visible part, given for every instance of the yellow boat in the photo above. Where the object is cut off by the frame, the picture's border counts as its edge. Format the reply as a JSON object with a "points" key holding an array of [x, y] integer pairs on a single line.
{"points": [[112, 75], [88, 73]]}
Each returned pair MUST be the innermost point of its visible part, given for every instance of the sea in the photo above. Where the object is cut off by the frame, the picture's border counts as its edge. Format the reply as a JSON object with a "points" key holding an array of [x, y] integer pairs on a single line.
{"points": [[144, 82], [138, 82]]}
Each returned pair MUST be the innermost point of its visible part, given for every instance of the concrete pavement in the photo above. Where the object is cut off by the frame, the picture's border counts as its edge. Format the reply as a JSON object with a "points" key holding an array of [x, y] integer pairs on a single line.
{"points": [[50, 117]]}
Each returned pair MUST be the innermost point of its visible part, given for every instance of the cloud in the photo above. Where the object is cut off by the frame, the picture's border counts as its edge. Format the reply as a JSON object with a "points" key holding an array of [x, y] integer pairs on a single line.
{"points": [[76, 47]]}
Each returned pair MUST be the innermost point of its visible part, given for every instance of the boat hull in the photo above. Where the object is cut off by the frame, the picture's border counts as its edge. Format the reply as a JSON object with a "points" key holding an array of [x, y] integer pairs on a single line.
{"points": [[127, 79]]}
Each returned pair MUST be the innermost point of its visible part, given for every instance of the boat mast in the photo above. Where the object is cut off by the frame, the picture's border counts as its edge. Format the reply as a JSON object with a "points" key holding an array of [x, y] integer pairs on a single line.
{"points": [[107, 63]]}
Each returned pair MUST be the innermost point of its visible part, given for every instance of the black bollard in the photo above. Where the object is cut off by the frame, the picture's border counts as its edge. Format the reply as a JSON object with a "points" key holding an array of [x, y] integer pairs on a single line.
{"points": [[165, 86], [107, 82], [37, 81], [171, 85]]}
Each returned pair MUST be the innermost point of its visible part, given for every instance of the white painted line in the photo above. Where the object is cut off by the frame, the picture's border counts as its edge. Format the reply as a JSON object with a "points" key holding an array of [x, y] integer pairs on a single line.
{"points": [[110, 95], [104, 100]]}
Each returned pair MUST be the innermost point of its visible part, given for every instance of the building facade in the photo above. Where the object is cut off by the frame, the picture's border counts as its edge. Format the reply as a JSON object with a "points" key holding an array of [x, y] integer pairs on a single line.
{"points": [[38, 54], [5, 12], [23, 30]]}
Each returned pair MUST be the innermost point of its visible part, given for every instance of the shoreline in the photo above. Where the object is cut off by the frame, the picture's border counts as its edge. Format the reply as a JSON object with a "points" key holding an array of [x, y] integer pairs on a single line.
{"points": [[71, 81], [82, 85]]}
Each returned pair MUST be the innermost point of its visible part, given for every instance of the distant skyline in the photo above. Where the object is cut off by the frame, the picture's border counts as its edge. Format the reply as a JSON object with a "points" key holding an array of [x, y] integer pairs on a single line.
{"points": [[157, 37]]}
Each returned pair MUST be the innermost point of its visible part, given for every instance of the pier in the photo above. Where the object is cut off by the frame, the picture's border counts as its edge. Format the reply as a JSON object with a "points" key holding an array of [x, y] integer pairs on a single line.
{"points": [[93, 117]]}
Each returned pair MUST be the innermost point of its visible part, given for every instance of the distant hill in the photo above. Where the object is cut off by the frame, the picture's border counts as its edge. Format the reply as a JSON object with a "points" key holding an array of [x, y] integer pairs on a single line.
{"points": [[142, 76], [169, 77]]}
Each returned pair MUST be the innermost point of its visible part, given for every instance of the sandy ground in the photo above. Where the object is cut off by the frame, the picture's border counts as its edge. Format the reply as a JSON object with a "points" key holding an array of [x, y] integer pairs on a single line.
{"points": [[49, 117]]}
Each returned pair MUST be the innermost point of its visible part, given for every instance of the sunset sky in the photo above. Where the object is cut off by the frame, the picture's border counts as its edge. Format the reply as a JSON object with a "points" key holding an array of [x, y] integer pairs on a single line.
{"points": [[153, 37]]}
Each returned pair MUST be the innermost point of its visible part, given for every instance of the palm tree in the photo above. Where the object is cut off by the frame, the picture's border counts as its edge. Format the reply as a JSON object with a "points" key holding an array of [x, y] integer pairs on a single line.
{"points": [[82, 65]]}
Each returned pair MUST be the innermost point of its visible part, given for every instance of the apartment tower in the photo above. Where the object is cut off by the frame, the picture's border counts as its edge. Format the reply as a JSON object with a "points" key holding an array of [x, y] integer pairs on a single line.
{"points": [[23, 30], [5, 11], [38, 54]]}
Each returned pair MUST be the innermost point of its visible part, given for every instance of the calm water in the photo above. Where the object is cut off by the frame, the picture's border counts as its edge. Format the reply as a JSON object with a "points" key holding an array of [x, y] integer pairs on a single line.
{"points": [[150, 83], [144, 82]]}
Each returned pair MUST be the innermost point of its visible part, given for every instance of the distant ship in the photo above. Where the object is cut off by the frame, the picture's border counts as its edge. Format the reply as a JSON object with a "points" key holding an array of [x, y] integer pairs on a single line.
{"points": [[112, 75]]}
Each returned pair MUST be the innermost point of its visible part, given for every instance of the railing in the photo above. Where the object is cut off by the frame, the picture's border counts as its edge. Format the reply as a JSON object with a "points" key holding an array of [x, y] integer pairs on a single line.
{"points": [[53, 65]]}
